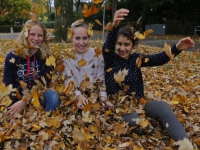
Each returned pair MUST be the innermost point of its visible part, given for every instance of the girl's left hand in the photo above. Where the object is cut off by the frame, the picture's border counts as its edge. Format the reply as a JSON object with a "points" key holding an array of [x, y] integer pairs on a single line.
{"points": [[185, 43], [106, 102]]}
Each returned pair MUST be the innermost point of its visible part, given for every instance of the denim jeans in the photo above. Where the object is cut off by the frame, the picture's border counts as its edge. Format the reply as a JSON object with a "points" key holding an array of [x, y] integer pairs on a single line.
{"points": [[160, 110], [51, 100]]}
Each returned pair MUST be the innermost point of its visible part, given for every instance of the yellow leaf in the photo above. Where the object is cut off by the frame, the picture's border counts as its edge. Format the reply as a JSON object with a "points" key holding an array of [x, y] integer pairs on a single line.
{"points": [[85, 8], [35, 101], [90, 31], [108, 139], [86, 116], [78, 135], [167, 48], [12, 60], [35, 127], [53, 122], [51, 61], [23, 84], [147, 32], [144, 123], [5, 90], [196, 53], [82, 62], [98, 22], [69, 33], [120, 76], [110, 69], [119, 128]]}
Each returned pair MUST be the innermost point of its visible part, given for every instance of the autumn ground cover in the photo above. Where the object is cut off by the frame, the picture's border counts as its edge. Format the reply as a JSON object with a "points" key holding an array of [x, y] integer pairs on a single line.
{"points": [[177, 83]]}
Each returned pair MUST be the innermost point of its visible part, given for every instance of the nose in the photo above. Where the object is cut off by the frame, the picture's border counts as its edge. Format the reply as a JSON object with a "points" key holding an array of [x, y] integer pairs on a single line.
{"points": [[122, 47], [36, 37], [81, 41]]}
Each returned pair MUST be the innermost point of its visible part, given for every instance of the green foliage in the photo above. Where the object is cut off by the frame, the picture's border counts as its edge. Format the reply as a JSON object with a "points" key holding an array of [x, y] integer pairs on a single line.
{"points": [[7, 28], [48, 24], [13, 9]]}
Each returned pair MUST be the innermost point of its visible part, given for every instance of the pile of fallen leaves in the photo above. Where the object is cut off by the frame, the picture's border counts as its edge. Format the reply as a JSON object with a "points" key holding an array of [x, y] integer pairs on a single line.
{"points": [[95, 127]]}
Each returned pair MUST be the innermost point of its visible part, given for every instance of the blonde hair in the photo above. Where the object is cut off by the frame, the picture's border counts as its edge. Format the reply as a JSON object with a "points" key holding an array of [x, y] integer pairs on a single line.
{"points": [[23, 45]]}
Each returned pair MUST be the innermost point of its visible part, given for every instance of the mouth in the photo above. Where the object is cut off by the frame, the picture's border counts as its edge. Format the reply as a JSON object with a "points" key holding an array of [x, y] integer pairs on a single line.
{"points": [[35, 44]]}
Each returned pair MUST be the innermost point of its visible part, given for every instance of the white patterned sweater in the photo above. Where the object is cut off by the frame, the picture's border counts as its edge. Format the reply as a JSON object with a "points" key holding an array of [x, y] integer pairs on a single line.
{"points": [[88, 64]]}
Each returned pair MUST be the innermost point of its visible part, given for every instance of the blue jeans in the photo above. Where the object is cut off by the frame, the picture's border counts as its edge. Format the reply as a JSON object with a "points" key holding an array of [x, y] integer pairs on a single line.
{"points": [[51, 100], [160, 110]]}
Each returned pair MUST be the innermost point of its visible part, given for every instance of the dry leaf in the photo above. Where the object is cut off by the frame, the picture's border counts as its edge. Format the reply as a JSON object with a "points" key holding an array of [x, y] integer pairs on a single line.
{"points": [[82, 62], [120, 76]]}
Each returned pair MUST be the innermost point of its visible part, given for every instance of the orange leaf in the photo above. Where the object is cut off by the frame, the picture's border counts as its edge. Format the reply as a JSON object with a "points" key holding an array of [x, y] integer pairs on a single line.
{"points": [[139, 61], [108, 7], [58, 11], [108, 26], [93, 10], [97, 52], [96, 1]]}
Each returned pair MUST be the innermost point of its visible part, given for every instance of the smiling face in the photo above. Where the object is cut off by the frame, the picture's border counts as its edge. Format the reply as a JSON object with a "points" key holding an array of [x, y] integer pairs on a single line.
{"points": [[35, 38], [124, 46], [80, 40]]}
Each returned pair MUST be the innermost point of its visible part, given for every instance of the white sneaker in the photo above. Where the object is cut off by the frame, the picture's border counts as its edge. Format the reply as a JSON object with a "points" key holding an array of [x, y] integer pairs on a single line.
{"points": [[184, 144]]}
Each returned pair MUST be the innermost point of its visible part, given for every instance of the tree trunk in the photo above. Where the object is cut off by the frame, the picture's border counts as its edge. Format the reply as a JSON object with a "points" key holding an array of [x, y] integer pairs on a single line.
{"points": [[63, 20]]}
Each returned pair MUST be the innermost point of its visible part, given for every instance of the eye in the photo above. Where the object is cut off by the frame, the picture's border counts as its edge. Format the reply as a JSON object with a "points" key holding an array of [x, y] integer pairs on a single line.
{"points": [[40, 35], [77, 38], [119, 43], [85, 38], [126, 44]]}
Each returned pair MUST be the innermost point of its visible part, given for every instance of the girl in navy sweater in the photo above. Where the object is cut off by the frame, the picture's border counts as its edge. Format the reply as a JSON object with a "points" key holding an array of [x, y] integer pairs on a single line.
{"points": [[27, 63], [123, 41]]}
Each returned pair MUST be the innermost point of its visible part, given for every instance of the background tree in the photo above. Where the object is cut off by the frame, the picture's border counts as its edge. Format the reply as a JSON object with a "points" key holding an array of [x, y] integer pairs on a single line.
{"points": [[11, 10], [63, 19]]}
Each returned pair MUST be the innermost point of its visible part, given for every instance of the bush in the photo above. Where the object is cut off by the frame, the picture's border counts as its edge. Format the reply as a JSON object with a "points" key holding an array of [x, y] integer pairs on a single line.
{"points": [[7, 28], [48, 24]]}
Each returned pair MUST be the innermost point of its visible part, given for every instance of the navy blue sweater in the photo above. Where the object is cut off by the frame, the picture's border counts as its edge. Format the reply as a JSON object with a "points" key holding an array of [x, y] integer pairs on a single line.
{"points": [[15, 70], [134, 78]]}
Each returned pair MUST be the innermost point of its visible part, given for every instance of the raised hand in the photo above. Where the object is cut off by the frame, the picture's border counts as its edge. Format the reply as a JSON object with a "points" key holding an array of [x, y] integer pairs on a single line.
{"points": [[119, 16], [185, 43]]}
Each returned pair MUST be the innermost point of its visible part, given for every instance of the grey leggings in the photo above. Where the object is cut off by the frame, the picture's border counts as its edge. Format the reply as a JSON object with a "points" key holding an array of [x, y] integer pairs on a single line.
{"points": [[160, 110]]}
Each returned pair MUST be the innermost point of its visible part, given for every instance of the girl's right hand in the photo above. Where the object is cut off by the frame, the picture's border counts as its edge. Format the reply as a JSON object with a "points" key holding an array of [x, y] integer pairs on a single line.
{"points": [[16, 108], [119, 16], [82, 101]]}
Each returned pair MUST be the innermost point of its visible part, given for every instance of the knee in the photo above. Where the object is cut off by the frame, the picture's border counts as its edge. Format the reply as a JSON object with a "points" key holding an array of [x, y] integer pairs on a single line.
{"points": [[163, 107], [52, 96]]}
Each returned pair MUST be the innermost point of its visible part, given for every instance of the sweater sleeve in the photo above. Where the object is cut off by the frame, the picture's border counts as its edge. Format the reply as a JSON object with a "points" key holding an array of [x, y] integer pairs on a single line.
{"points": [[158, 59], [9, 68], [101, 75], [69, 76], [109, 45]]}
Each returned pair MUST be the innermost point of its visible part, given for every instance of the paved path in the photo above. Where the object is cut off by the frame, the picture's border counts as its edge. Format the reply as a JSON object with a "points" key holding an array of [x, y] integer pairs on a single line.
{"points": [[149, 42]]}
